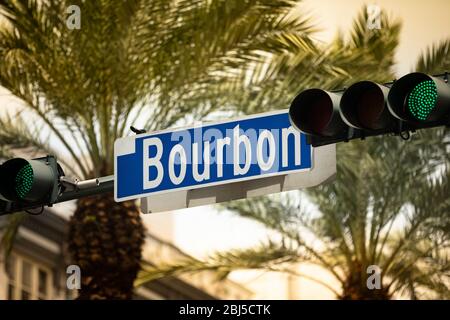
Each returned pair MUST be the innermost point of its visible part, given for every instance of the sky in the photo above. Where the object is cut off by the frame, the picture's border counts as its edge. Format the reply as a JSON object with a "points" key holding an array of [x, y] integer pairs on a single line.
{"points": [[201, 231]]}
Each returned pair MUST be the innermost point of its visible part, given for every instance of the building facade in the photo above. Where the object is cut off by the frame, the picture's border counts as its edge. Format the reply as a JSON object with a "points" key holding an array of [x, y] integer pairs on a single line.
{"points": [[37, 265]]}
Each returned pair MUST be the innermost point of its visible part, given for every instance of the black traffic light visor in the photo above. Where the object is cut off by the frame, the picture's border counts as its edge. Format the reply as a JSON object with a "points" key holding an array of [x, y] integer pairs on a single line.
{"points": [[363, 106], [316, 112]]}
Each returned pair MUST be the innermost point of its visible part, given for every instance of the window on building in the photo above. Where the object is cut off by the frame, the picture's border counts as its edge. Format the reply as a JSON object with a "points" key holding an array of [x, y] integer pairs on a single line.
{"points": [[27, 280], [42, 283], [71, 294]]}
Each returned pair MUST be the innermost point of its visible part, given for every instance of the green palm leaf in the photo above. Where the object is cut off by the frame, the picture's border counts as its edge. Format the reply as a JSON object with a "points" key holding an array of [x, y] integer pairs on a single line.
{"points": [[436, 59]]}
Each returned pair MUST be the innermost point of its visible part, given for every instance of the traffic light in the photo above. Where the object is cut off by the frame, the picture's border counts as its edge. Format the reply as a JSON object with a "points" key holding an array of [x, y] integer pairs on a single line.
{"points": [[366, 108], [27, 184]]}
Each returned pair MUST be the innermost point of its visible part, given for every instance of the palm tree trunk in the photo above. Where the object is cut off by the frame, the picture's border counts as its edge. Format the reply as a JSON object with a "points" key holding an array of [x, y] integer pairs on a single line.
{"points": [[355, 288], [105, 241], [359, 293]]}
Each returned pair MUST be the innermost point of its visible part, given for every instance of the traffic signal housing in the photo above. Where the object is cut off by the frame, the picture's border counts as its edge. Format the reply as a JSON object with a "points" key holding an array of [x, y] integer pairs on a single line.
{"points": [[420, 98], [366, 108], [27, 184]]}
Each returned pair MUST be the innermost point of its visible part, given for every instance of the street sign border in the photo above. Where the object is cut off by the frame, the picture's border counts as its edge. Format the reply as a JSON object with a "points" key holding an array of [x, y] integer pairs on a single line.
{"points": [[205, 185]]}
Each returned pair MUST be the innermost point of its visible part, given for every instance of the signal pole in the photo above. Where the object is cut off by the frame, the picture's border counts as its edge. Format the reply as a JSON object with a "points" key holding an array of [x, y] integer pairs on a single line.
{"points": [[88, 188]]}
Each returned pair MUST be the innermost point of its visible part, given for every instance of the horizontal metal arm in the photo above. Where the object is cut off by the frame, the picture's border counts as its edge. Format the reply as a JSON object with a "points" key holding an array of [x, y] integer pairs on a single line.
{"points": [[89, 188]]}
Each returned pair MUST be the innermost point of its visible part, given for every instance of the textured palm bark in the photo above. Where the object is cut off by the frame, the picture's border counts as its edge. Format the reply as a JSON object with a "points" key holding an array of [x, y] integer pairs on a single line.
{"points": [[356, 288], [105, 240], [363, 293]]}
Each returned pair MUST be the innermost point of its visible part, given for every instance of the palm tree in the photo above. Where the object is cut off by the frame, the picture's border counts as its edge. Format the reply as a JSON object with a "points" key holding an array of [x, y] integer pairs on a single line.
{"points": [[148, 63], [388, 207]]}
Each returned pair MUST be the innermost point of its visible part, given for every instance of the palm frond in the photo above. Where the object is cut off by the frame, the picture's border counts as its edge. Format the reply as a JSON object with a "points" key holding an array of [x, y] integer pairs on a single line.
{"points": [[17, 133], [159, 59], [267, 256], [9, 232], [277, 212], [332, 66], [435, 59]]}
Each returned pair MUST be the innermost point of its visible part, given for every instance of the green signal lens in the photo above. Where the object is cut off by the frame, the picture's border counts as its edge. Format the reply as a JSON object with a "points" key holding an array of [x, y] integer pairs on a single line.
{"points": [[422, 99], [24, 181]]}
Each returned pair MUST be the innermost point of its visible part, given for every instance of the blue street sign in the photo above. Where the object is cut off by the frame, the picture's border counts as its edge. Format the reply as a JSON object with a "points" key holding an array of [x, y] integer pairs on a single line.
{"points": [[249, 148]]}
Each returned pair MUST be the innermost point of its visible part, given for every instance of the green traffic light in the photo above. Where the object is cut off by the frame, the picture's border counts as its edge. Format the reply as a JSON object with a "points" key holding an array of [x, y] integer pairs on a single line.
{"points": [[24, 181], [422, 99]]}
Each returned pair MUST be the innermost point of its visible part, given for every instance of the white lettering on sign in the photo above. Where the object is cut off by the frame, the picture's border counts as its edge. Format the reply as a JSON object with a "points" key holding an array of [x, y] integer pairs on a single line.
{"points": [[285, 132], [177, 150], [152, 162], [254, 147], [238, 140], [221, 143], [195, 161], [241, 158], [266, 165]]}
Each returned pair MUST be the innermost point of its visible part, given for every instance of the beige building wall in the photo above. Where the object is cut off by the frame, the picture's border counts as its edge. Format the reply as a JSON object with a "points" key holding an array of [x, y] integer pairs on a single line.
{"points": [[160, 225]]}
